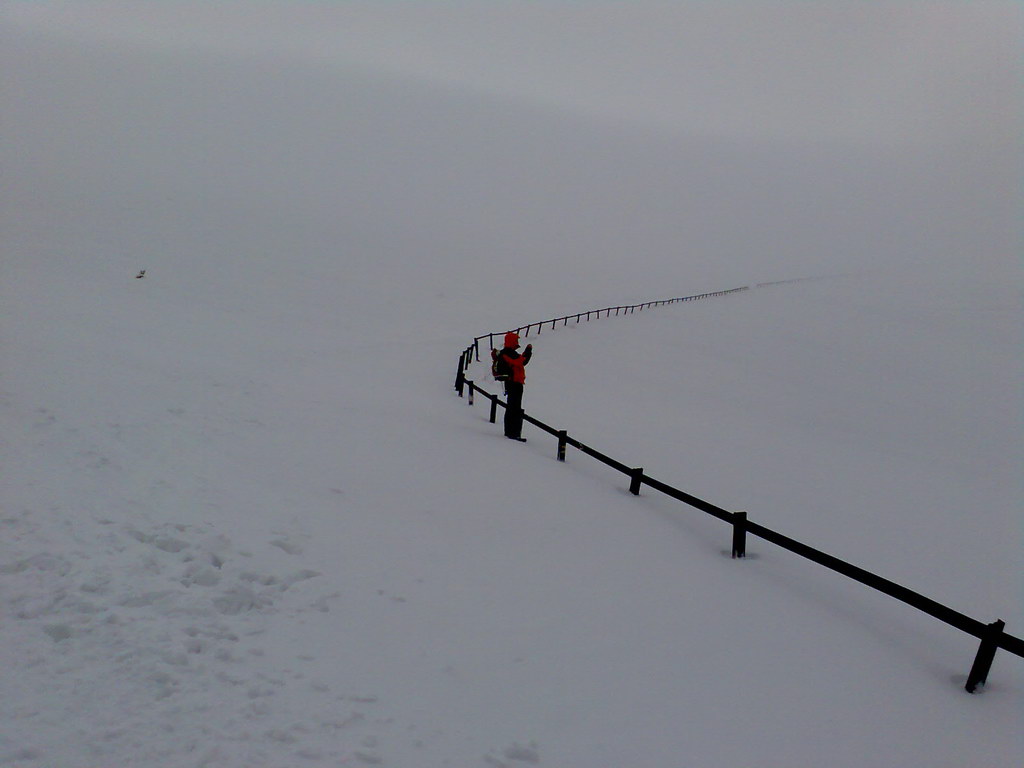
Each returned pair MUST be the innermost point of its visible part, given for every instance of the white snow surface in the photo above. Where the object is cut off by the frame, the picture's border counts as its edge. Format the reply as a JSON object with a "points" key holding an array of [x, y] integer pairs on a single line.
{"points": [[247, 522]]}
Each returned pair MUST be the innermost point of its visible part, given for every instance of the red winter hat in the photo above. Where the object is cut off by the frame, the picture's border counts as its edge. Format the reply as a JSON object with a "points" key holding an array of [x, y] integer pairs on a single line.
{"points": [[511, 340]]}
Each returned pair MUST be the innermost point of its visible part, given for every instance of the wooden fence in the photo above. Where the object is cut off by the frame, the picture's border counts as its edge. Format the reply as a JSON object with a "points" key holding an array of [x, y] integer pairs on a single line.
{"points": [[992, 636]]}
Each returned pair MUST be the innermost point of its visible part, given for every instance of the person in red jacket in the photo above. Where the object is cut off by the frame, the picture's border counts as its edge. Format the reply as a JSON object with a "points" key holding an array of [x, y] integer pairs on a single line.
{"points": [[510, 367]]}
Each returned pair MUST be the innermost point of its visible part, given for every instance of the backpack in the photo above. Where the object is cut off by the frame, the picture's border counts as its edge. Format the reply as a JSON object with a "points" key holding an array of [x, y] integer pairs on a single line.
{"points": [[500, 369]]}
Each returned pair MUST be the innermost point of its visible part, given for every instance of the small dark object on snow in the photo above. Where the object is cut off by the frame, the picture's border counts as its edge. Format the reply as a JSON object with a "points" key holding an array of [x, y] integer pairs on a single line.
{"points": [[142, 273]]}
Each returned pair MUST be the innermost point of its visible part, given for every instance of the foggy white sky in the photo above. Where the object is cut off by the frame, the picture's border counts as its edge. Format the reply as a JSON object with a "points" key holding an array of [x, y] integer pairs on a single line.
{"points": [[647, 144], [889, 73]]}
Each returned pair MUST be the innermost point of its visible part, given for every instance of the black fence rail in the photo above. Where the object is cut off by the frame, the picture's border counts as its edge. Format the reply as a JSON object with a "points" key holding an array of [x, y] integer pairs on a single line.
{"points": [[992, 636]]}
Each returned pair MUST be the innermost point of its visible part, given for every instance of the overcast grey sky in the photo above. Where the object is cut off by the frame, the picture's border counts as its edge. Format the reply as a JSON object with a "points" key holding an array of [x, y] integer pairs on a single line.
{"points": [[641, 144], [890, 73]]}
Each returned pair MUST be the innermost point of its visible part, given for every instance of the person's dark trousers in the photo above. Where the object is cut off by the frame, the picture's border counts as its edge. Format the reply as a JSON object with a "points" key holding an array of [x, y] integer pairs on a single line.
{"points": [[514, 411]]}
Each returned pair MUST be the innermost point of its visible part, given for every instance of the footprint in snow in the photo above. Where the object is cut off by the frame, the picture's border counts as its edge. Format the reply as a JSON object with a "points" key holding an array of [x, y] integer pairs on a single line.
{"points": [[517, 753], [287, 545]]}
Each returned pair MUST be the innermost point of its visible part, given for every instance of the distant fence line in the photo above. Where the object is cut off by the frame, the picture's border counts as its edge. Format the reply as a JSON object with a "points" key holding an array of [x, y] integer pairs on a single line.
{"points": [[992, 635], [524, 330]]}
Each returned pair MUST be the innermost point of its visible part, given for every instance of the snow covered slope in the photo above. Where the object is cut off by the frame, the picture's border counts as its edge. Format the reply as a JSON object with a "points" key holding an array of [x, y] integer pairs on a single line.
{"points": [[246, 522]]}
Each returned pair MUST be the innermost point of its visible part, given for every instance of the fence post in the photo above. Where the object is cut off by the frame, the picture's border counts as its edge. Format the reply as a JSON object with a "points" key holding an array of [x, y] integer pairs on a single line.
{"points": [[472, 388], [562, 435], [460, 377], [636, 479], [986, 653], [494, 408], [739, 534]]}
